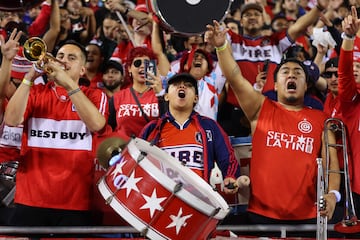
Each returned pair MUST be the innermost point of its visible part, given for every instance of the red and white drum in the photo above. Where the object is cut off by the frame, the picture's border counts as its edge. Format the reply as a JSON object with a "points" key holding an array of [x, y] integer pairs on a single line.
{"points": [[188, 17], [18, 5], [159, 197]]}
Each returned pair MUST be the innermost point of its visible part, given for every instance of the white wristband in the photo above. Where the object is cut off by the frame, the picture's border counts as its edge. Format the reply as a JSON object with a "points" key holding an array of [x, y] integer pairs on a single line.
{"points": [[337, 195]]}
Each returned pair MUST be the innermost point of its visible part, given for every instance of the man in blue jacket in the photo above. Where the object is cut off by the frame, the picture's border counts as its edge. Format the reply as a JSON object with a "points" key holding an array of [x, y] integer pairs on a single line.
{"points": [[196, 141]]}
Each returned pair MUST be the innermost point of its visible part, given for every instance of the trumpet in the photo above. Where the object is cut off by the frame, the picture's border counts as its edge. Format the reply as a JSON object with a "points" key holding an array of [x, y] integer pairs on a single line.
{"points": [[35, 50]]}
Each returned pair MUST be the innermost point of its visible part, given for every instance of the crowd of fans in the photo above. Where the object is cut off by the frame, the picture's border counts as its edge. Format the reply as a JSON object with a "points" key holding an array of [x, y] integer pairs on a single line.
{"points": [[262, 34]]}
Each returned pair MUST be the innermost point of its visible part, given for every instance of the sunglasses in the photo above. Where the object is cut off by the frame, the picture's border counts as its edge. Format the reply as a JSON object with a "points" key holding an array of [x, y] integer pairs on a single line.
{"points": [[137, 63], [330, 74]]}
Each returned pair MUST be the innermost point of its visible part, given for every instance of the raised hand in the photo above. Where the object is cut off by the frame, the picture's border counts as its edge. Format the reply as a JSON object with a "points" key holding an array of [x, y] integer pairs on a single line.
{"points": [[351, 23], [11, 46], [215, 34]]}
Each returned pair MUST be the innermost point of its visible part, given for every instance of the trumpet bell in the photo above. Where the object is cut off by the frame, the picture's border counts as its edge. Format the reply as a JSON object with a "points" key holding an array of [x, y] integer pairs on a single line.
{"points": [[34, 49]]}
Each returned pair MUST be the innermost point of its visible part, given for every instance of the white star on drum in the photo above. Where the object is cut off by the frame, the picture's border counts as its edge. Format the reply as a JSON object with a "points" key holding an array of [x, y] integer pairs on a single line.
{"points": [[131, 184], [118, 169], [178, 221], [153, 203]]}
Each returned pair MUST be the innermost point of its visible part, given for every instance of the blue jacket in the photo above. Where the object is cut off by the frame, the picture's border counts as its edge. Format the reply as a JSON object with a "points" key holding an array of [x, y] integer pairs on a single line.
{"points": [[217, 147]]}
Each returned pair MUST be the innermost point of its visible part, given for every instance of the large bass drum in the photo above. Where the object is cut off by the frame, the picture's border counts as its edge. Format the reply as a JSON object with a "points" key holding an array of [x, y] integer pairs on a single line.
{"points": [[188, 17], [18, 5], [160, 197]]}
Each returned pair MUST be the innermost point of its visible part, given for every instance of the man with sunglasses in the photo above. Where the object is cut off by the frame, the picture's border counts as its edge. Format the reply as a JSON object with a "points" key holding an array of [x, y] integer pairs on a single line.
{"points": [[331, 76]]}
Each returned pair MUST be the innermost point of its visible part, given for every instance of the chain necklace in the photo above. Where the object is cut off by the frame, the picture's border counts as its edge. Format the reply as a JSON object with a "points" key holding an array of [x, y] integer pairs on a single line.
{"points": [[62, 98]]}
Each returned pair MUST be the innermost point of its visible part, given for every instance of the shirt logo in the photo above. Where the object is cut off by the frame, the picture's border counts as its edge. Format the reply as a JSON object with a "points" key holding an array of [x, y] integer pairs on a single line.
{"points": [[305, 126]]}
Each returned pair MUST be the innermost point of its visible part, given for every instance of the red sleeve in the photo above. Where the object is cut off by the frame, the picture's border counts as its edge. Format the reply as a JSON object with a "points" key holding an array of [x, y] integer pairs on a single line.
{"points": [[346, 80], [39, 25]]}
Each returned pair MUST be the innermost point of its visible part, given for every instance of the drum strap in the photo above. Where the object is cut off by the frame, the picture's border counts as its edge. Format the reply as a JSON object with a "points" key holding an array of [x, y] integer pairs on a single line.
{"points": [[139, 105]]}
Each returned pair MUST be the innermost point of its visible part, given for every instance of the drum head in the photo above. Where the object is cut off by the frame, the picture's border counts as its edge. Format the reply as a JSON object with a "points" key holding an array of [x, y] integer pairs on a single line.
{"points": [[18, 5], [189, 17]]}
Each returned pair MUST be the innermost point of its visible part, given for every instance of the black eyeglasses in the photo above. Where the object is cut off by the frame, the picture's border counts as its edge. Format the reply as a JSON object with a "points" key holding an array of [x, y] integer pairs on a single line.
{"points": [[137, 63], [329, 74]]}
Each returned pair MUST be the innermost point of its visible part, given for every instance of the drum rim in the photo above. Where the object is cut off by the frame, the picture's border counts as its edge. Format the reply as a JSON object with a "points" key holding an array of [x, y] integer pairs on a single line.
{"points": [[183, 194]]}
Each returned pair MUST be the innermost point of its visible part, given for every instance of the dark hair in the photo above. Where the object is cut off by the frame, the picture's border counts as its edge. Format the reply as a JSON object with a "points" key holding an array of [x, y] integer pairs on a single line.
{"points": [[208, 58], [79, 45], [294, 60], [133, 53]]}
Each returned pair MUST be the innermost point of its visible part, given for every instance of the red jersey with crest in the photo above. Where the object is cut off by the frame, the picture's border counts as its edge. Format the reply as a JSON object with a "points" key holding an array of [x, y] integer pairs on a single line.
{"points": [[188, 149], [129, 118], [57, 149], [283, 169], [250, 54]]}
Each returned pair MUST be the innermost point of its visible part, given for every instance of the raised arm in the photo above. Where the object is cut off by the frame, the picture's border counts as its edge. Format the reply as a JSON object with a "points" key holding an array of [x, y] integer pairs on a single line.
{"points": [[347, 84], [311, 17], [249, 99], [53, 32]]}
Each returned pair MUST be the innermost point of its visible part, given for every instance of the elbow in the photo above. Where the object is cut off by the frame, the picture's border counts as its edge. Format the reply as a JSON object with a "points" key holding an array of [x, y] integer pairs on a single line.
{"points": [[98, 125]]}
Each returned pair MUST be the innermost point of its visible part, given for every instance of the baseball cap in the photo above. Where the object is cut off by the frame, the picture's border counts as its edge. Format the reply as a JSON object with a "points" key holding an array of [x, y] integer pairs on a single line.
{"points": [[248, 6], [183, 77], [20, 65], [313, 71], [114, 63], [332, 62]]}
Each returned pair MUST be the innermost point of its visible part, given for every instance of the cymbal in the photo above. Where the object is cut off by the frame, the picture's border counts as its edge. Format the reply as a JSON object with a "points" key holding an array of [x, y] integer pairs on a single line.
{"points": [[108, 148]]}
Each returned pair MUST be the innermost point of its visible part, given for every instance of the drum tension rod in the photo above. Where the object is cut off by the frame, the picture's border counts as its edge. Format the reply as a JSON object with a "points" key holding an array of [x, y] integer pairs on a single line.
{"points": [[216, 211]]}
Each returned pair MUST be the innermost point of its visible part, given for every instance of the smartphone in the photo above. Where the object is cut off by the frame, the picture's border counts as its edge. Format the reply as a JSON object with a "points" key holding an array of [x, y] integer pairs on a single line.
{"points": [[150, 67], [266, 65]]}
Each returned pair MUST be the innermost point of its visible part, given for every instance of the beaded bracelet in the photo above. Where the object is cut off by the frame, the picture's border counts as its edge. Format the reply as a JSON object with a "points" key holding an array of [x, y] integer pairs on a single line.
{"points": [[72, 92], [222, 48], [27, 82]]}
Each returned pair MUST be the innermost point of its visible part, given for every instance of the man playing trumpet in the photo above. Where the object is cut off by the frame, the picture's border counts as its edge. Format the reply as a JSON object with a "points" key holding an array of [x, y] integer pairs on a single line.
{"points": [[60, 118]]}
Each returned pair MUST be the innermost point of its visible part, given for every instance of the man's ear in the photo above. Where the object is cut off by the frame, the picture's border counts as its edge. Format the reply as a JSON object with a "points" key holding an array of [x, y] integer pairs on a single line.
{"points": [[196, 99], [166, 98], [275, 86]]}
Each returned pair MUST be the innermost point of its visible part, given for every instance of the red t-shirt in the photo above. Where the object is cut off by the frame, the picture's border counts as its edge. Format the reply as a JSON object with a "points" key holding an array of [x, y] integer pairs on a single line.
{"points": [[283, 168]]}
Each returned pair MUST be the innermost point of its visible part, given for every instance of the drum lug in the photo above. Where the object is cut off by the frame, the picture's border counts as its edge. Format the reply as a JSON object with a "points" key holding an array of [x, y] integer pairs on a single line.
{"points": [[216, 211], [144, 231], [109, 200], [141, 156], [177, 187]]}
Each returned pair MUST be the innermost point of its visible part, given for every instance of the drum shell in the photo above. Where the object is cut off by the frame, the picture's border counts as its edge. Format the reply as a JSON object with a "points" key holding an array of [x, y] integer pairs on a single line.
{"points": [[182, 18], [130, 205]]}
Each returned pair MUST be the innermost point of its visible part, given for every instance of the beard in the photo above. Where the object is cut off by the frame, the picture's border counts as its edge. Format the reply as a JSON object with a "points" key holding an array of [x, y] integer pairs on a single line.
{"points": [[112, 87], [292, 99]]}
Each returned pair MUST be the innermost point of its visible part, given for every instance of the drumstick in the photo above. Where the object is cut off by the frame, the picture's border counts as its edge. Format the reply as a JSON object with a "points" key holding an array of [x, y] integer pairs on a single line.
{"points": [[242, 181], [126, 28]]}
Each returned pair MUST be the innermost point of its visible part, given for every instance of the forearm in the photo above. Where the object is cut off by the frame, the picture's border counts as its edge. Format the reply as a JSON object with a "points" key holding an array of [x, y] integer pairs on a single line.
{"points": [[300, 26], [88, 112], [346, 81], [4, 75], [14, 114]]}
